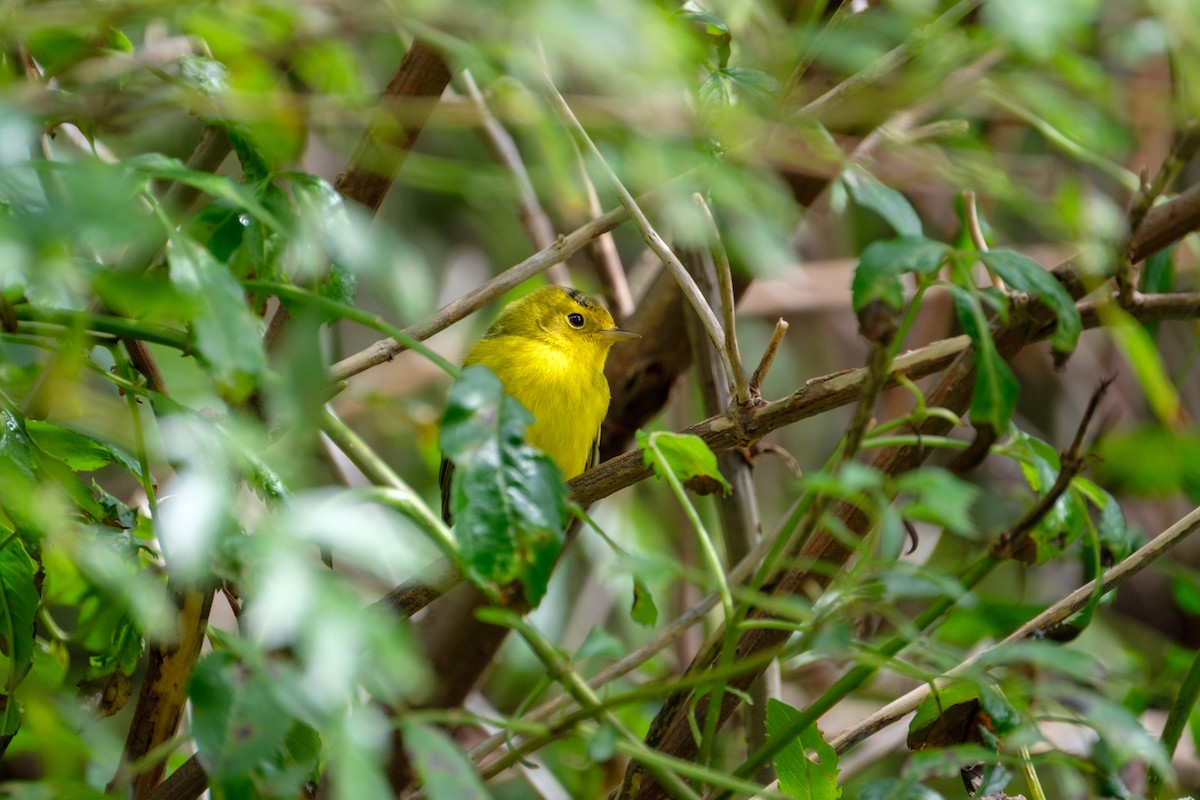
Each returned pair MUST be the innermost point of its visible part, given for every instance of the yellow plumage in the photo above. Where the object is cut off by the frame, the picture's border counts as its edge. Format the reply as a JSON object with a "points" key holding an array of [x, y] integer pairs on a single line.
{"points": [[548, 349]]}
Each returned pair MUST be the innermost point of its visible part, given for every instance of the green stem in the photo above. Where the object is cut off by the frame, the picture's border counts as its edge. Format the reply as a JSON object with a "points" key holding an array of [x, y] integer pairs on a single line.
{"points": [[1177, 717], [35, 318], [393, 491]]}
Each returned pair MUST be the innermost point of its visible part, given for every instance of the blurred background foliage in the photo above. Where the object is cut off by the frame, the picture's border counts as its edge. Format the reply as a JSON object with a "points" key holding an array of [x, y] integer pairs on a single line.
{"points": [[166, 166]]}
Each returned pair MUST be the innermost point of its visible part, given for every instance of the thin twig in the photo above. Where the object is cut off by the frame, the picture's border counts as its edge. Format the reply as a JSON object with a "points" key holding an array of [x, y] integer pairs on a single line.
{"points": [[609, 268], [653, 239], [976, 231], [725, 284], [1183, 151], [533, 218], [566, 246], [768, 358], [1064, 608]]}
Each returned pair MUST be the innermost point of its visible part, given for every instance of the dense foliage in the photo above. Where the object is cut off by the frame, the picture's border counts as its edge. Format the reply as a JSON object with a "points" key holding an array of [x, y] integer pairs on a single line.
{"points": [[222, 559]]}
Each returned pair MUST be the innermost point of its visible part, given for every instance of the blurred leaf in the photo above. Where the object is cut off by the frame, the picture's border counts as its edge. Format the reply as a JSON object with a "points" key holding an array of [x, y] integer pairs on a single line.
{"points": [[1158, 272], [107, 684], [686, 456], [995, 394], [19, 601], [172, 169], [881, 264], [206, 75], [1041, 29], [800, 776], [79, 451], [644, 612], [939, 497], [1142, 354], [237, 722], [602, 746], [509, 500], [893, 789], [444, 771], [224, 332], [1026, 275], [868, 192], [1150, 460]]}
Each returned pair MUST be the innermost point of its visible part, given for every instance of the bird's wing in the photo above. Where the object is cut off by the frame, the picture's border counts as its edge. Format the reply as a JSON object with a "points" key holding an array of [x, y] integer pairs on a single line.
{"points": [[445, 478], [594, 455]]}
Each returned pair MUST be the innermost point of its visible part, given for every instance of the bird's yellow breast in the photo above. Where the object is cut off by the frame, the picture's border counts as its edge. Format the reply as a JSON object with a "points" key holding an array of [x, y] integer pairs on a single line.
{"points": [[565, 391]]}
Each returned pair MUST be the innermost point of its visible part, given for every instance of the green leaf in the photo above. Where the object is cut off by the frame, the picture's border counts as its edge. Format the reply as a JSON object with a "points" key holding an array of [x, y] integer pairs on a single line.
{"points": [[877, 276], [236, 719], [78, 451], [172, 169], [224, 331], [443, 769], [752, 82], [603, 744], [206, 75], [1150, 460], [995, 394], [939, 497], [799, 775], [885, 201], [644, 612], [1026, 275], [509, 499], [893, 789], [684, 454], [1142, 354], [1158, 273], [19, 602]]}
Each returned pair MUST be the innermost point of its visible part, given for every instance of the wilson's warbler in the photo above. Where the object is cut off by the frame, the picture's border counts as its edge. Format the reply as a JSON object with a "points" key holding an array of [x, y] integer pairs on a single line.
{"points": [[548, 350]]}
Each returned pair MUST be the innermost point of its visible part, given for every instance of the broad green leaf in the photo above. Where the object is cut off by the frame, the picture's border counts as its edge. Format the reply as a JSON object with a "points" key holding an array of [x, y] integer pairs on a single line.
{"points": [[799, 775], [18, 606], [236, 719], [881, 264], [1142, 354], [509, 500], [686, 456], [938, 496], [995, 394], [644, 612], [1026, 275], [78, 451], [868, 192], [172, 169], [18, 478], [224, 331], [444, 771]]}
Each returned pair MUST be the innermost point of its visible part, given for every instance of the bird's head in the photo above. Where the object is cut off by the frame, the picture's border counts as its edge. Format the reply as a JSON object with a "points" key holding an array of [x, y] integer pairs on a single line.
{"points": [[564, 317]]}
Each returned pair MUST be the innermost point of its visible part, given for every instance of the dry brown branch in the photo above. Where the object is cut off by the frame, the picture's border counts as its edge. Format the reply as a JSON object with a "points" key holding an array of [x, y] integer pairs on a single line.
{"points": [[164, 690], [405, 107], [671, 731], [533, 218], [1052, 616], [407, 102]]}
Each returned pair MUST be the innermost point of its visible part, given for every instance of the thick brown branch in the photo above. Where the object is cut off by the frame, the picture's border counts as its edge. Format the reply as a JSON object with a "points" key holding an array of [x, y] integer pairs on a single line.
{"points": [[407, 102]]}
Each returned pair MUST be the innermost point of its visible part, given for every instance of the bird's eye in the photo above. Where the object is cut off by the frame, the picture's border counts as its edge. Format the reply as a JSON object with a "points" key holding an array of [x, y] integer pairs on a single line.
{"points": [[575, 320]]}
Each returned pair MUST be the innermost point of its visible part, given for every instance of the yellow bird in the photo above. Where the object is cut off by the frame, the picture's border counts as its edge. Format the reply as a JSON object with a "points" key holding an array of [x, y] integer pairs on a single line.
{"points": [[548, 349]]}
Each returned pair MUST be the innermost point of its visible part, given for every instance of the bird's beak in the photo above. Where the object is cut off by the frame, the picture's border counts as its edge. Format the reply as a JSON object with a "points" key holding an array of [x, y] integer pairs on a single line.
{"points": [[619, 335]]}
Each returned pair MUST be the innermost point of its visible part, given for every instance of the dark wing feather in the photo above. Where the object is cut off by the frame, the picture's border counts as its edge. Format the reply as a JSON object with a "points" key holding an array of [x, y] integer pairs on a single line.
{"points": [[594, 456], [445, 480]]}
